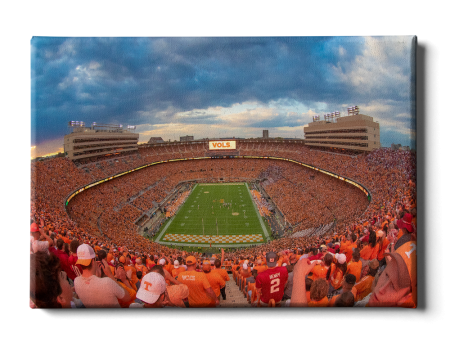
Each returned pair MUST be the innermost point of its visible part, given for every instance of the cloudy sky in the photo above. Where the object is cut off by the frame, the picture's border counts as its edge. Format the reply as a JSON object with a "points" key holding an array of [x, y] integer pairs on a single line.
{"points": [[218, 87]]}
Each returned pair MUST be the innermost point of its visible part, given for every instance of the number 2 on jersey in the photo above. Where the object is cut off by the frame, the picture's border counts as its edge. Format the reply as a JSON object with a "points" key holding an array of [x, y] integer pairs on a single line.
{"points": [[275, 283]]}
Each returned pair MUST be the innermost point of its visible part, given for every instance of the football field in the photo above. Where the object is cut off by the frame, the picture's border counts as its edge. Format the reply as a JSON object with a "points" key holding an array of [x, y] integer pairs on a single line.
{"points": [[223, 215]]}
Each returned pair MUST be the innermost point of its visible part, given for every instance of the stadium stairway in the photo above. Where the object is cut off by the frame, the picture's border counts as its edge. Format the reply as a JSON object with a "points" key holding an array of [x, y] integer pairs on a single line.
{"points": [[235, 297]]}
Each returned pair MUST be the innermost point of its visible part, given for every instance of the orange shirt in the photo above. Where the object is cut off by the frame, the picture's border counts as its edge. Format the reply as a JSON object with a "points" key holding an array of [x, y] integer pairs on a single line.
{"points": [[319, 271], [367, 252], [142, 268], [197, 284], [150, 264], [169, 267], [260, 268], [349, 251], [131, 292], [176, 271], [223, 273], [355, 269], [380, 253], [216, 281], [336, 277], [364, 287], [320, 303]]}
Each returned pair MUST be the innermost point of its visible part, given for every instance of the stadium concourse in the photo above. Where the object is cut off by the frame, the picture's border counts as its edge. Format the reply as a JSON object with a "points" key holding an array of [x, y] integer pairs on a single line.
{"points": [[93, 256]]}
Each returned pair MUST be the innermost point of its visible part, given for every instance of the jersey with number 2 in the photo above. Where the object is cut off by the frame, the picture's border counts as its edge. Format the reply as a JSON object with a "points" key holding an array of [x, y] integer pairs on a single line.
{"points": [[272, 282]]}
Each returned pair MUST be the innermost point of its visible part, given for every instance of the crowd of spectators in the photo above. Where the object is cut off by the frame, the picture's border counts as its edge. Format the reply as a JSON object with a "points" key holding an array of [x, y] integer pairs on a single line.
{"points": [[377, 239]]}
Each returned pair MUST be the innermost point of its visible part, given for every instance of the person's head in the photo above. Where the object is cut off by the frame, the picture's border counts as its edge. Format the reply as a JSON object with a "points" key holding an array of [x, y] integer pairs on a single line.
{"points": [[59, 244], [152, 290], [349, 282], [328, 259], [74, 246], [139, 275], [373, 267], [102, 254], [34, 231], [86, 258], [66, 249], [353, 237], [191, 263], [138, 261], [49, 287], [346, 299], [217, 263], [206, 267], [271, 258], [405, 223], [319, 289]]}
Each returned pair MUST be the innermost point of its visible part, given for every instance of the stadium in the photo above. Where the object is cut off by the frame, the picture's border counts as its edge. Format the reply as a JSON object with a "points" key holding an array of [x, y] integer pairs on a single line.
{"points": [[230, 202]]}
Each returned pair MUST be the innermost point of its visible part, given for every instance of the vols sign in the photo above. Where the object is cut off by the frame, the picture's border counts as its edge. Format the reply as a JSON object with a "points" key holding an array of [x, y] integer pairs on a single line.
{"points": [[215, 145]]}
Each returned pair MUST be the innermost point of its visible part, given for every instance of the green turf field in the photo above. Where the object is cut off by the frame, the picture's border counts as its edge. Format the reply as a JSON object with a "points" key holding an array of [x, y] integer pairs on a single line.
{"points": [[220, 214]]}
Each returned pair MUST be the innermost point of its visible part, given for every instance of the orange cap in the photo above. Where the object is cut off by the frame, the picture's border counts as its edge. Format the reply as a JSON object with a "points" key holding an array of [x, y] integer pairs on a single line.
{"points": [[191, 260]]}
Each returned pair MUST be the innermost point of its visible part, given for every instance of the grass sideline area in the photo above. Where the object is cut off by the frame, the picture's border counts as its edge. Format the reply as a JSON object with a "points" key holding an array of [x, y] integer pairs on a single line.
{"points": [[228, 213]]}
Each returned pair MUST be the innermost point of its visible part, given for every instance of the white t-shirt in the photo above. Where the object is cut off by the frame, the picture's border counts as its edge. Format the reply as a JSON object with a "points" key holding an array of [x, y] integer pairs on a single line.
{"points": [[38, 245], [98, 292]]}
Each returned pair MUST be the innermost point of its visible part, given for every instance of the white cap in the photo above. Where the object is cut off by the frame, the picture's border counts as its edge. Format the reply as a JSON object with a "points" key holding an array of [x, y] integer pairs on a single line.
{"points": [[245, 266], [176, 264], [341, 258], [162, 261], [152, 286], [85, 253]]}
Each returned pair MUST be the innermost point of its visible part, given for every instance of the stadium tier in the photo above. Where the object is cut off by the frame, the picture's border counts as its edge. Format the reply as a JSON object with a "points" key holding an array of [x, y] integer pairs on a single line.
{"points": [[166, 203]]}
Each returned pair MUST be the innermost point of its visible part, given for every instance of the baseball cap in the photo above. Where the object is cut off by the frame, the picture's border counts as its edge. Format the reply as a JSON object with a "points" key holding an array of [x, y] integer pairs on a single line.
{"points": [[34, 227], [206, 262], [341, 258], [152, 286], [122, 259], [85, 253], [191, 260], [374, 264], [271, 258], [162, 261], [245, 266]]}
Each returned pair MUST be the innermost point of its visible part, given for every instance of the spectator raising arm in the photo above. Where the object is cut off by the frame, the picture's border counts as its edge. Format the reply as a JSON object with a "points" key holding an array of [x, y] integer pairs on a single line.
{"points": [[47, 238], [301, 270]]}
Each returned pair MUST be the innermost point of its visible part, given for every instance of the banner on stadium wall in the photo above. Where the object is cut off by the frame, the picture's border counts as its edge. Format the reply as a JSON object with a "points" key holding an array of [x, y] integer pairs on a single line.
{"points": [[222, 145]]}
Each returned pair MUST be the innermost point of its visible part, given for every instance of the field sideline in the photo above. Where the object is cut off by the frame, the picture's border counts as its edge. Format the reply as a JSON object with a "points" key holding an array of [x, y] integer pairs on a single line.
{"points": [[220, 215]]}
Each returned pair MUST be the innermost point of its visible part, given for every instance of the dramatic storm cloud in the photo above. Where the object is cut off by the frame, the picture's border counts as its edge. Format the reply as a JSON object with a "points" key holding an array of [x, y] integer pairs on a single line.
{"points": [[218, 87]]}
